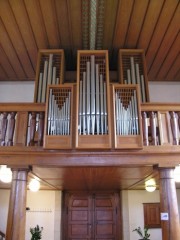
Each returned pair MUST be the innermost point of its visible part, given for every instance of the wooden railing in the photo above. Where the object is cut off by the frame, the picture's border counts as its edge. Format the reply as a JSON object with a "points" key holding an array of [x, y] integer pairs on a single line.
{"points": [[161, 124], [2, 236], [23, 124]]}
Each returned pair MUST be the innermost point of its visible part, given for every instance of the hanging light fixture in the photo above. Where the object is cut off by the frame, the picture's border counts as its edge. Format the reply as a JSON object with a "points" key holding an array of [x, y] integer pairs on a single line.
{"points": [[34, 185], [150, 185], [177, 174], [5, 174]]}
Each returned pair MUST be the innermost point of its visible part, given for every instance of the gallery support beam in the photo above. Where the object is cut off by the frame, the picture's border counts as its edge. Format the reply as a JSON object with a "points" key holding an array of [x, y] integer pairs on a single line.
{"points": [[17, 205], [168, 205]]}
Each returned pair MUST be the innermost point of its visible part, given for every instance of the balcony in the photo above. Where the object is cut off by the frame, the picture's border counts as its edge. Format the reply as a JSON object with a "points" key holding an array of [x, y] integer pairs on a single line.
{"points": [[22, 134]]}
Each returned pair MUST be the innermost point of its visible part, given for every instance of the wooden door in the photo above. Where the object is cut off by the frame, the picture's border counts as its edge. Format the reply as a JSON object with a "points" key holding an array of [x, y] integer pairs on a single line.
{"points": [[91, 216]]}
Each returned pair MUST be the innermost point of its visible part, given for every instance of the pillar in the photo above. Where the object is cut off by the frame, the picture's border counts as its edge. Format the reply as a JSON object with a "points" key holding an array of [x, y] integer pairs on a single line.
{"points": [[168, 204], [17, 205]]}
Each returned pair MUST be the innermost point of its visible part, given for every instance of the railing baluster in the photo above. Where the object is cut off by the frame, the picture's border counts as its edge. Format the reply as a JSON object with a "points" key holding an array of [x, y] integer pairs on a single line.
{"points": [[153, 128], [178, 113], [4, 123], [11, 127], [32, 129], [145, 128], [174, 127], [41, 129]]}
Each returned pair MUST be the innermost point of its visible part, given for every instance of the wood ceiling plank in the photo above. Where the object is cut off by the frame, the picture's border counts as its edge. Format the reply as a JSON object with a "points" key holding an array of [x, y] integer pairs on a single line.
{"points": [[173, 70], [122, 22], [63, 23], [151, 18], [50, 21], [136, 23], [111, 8], [91, 178], [166, 44], [177, 77], [13, 31], [4, 61], [37, 23], [10, 52], [167, 12], [3, 74], [74, 12], [22, 19], [168, 62]]}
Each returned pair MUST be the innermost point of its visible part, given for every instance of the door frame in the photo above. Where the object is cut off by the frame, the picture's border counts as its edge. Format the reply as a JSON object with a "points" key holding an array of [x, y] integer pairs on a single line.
{"points": [[64, 213]]}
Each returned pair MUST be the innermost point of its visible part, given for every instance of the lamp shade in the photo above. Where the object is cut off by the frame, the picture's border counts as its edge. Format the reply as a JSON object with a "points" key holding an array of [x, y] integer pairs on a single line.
{"points": [[150, 185], [177, 174], [34, 185], [5, 174]]}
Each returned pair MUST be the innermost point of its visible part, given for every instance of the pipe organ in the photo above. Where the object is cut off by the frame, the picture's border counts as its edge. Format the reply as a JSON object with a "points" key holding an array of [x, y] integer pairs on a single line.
{"points": [[50, 70], [58, 125], [92, 100], [92, 113], [93, 118], [127, 119], [132, 70]]}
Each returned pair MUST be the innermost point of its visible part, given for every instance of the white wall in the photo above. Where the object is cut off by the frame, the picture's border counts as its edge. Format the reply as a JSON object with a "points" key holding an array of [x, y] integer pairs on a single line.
{"points": [[132, 212], [164, 92], [4, 204], [133, 200], [45, 210], [24, 91], [16, 91]]}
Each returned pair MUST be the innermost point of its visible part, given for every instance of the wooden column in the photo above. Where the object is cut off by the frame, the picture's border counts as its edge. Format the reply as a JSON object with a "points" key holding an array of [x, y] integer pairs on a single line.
{"points": [[168, 202], [17, 206]]}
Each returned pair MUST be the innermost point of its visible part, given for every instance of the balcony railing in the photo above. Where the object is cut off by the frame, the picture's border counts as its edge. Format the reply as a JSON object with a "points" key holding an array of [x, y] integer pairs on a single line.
{"points": [[23, 124], [2, 236], [161, 124]]}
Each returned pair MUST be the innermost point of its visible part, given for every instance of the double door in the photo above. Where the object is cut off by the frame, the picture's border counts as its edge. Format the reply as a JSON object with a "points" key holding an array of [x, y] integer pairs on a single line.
{"points": [[90, 216]]}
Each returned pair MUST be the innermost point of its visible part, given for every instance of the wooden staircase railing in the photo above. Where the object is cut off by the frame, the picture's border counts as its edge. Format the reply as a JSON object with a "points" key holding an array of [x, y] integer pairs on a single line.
{"points": [[2, 236]]}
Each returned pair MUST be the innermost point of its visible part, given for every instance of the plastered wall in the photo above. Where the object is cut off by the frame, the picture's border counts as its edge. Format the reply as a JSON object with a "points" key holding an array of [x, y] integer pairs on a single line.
{"points": [[45, 210], [24, 91]]}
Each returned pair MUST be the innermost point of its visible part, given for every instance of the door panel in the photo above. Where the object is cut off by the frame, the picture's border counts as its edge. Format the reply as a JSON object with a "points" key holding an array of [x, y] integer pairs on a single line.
{"points": [[105, 217], [92, 216]]}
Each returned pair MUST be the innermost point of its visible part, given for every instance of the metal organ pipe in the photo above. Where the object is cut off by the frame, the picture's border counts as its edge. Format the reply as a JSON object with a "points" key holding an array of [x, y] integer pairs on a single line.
{"points": [[126, 112], [92, 92], [59, 112], [134, 77]]}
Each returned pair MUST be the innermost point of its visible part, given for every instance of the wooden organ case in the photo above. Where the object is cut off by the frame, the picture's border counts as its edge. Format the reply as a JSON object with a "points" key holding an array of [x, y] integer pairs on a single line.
{"points": [[58, 121], [49, 70], [93, 123], [93, 113], [132, 70], [127, 118]]}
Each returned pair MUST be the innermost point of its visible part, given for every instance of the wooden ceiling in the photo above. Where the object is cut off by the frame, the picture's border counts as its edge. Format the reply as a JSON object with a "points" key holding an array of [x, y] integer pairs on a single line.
{"points": [[29, 25], [92, 178]]}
